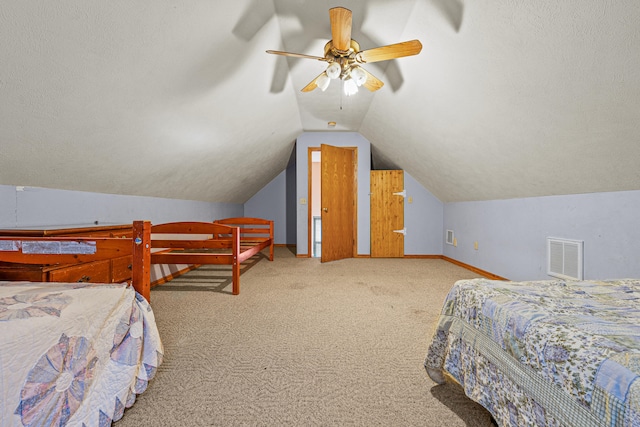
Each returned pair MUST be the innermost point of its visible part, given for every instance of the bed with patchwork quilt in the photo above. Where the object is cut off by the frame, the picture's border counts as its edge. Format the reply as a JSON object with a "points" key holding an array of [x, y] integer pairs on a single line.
{"points": [[543, 353], [73, 354]]}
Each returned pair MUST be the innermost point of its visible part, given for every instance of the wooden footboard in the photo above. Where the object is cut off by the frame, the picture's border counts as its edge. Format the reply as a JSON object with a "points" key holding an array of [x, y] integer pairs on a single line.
{"points": [[255, 234], [230, 242]]}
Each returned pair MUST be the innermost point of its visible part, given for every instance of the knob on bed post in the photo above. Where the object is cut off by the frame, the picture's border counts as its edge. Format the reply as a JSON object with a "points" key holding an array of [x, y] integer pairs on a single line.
{"points": [[141, 253]]}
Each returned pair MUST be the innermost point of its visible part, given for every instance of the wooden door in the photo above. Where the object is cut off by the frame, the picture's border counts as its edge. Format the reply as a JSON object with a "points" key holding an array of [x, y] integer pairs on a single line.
{"points": [[338, 202], [387, 214]]}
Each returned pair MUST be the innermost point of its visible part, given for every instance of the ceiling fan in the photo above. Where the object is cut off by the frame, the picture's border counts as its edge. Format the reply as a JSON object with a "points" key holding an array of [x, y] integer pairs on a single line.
{"points": [[344, 56]]}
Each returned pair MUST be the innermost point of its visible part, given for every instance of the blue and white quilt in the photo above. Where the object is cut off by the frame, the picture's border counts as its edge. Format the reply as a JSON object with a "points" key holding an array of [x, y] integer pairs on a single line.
{"points": [[543, 353], [73, 354]]}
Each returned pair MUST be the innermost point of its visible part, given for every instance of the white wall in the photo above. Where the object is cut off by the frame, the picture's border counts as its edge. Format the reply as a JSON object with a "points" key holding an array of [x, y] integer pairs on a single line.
{"points": [[511, 234]]}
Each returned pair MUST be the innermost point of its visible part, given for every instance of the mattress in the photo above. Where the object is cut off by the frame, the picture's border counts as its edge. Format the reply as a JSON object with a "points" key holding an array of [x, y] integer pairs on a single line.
{"points": [[543, 353], [73, 354]]}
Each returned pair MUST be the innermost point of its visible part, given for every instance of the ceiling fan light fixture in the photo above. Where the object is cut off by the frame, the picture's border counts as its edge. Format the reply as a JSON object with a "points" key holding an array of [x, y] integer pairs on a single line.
{"points": [[323, 81], [350, 87], [358, 75], [343, 56], [333, 70]]}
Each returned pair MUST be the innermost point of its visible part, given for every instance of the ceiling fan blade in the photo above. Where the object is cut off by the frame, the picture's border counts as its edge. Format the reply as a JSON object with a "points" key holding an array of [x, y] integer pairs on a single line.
{"points": [[340, 27], [392, 51], [372, 83], [297, 55], [311, 86]]}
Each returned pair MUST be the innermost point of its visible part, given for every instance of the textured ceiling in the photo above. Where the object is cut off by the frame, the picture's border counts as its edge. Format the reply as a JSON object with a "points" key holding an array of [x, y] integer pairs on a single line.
{"points": [[179, 99]]}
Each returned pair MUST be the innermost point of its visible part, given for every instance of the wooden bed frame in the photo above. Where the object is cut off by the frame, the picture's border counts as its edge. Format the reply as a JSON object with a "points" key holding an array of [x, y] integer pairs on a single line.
{"points": [[229, 241], [216, 243]]}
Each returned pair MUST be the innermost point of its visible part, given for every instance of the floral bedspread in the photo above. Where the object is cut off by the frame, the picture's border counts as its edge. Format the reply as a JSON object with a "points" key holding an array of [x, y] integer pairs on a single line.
{"points": [[73, 354], [543, 353]]}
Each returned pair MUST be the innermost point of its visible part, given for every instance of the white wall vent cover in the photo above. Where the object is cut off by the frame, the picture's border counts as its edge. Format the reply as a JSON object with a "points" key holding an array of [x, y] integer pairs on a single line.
{"points": [[449, 237], [564, 258]]}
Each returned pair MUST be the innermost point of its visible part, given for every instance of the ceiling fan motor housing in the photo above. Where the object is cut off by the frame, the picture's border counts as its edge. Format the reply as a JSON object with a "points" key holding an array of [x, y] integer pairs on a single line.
{"points": [[345, 58], [331, 50]]}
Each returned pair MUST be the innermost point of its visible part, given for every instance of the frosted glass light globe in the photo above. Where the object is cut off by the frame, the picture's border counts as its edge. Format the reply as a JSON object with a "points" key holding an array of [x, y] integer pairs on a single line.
{"points": [[323, 81], [333, 70], [358, 75]]}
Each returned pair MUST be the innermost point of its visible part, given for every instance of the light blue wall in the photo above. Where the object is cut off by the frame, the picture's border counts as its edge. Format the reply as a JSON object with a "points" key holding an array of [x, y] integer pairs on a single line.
{"points": [[337, 139], [33, 206], [277, 201], [511, 234], [8, 205], [423, 219], [291, 186], [270, 203]]}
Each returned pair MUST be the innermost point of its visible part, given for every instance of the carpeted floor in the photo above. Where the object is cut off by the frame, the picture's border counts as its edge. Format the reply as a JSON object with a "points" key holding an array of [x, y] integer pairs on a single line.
{"points": [[305, 344]]}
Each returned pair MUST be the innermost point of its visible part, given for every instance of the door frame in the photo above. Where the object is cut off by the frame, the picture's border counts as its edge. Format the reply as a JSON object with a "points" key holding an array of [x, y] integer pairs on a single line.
{"points": [[310, 150]]}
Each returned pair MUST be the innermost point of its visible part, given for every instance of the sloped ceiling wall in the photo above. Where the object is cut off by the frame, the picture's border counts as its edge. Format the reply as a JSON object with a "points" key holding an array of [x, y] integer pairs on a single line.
{"points": [[179, 99], [525, 99], [154, 98]]}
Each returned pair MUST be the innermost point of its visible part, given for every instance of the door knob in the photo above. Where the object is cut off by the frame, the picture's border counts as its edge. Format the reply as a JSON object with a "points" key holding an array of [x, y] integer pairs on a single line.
{"points": [[325, 210]]}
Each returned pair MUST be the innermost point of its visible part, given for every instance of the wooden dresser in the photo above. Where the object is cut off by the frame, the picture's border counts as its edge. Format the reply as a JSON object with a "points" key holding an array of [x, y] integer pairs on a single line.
{"points": [[114, 270]]}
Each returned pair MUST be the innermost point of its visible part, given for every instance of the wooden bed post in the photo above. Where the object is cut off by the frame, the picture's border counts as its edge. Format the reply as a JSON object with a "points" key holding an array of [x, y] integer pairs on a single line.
{"points": [[235, 247], [271, 243], [141, 263]]}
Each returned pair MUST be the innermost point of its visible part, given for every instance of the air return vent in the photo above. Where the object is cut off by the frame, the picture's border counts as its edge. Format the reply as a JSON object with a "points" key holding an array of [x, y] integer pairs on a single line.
{"points": [[564, 258], [449, 237]]}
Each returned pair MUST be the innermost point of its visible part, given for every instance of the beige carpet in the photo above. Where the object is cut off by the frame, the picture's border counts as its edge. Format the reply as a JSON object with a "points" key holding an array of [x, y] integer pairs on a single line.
{"points": [[305, 344]]}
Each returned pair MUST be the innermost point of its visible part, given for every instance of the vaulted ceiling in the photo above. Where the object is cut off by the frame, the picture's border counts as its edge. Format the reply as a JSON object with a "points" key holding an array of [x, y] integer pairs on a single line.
{"points": [[178, 99]]}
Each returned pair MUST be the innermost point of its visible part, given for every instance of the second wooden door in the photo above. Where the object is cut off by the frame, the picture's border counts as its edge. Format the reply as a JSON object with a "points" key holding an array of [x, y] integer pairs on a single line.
{"points": [[387, 214]]}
